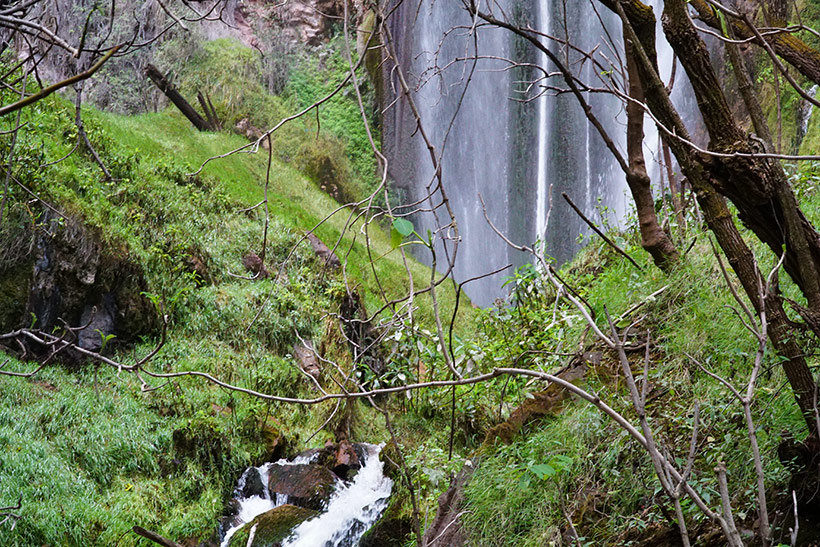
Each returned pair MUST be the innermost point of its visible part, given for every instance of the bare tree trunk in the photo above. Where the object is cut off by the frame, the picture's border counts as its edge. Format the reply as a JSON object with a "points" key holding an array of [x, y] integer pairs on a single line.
{"points": [[173, 95], [653, 238], [705, 174], [210, 111], [787, 45], [757, 186]]}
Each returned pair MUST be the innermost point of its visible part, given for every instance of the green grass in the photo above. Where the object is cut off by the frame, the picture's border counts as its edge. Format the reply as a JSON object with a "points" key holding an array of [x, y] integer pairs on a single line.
{"points": [[610, 487], [92, 456], [92, 462]]}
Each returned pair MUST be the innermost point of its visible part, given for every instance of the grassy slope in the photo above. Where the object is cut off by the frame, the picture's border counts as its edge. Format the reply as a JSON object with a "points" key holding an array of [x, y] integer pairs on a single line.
{"points": [[91, 458], [608, 486]]}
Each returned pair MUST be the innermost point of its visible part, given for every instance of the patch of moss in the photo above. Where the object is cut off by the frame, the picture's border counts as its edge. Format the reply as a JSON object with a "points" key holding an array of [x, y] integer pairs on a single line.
{"points": [[14, 285], [272, 527]]}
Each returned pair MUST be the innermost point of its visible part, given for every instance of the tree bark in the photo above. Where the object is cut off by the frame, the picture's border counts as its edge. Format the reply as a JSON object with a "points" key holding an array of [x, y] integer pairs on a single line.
{"points": [[173, 95], [653, 239], [757, 186], [210, 111], [788, 46], [707, 175]]}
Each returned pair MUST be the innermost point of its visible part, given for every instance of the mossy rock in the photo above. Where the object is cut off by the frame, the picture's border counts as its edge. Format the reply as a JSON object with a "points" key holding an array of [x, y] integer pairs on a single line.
{"points": [[14, 287], [306, 485], [272, 527], [393, 528], [389, 455]]}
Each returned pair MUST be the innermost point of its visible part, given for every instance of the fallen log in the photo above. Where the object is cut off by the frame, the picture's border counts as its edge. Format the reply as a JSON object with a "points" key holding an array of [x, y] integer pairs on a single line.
{"points": [[179, 101], [156, 538]]}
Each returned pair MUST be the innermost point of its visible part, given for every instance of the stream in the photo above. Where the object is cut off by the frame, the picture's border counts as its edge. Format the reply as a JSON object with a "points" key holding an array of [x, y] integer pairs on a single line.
{"points": [[352, 508]]}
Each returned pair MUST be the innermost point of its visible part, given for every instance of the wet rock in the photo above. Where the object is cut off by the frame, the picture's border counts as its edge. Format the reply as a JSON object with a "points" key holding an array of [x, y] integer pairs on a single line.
{"points": [[310, 453], [306, 357], [61, 274], [231, 517], [99, 321], [391, 530], [253, 484], [323, 251], [272, 527], [254, 264], [345, 460], [306, 485]]}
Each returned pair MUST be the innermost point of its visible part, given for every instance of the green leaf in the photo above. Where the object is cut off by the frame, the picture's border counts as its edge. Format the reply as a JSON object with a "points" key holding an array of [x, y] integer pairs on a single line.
{"points": [[403, 226], [543, 470], [722, 18], [395, 238]]}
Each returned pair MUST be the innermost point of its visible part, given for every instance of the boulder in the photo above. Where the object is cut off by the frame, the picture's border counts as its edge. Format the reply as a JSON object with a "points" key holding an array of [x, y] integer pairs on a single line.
{"points": [[60, 275], [323, 251], [346, 460], [254, 264], [306, 485], [272, 527], [306, 357], [98, 322], [253, 484]]}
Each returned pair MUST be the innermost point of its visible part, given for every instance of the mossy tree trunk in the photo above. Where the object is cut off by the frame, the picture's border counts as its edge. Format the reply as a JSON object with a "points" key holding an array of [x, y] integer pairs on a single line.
{"points": [[653, 239], [757, 186]]}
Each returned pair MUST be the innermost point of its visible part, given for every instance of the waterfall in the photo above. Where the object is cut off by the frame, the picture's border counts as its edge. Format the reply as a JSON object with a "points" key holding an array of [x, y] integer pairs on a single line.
{"points": [[476, 143], [519, 148], [544, 196], [351, 511], [804, 114], [572, 158], [517, 151]]}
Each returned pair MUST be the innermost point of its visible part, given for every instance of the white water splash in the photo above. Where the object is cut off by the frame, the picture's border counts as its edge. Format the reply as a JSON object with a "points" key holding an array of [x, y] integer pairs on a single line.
{"points": [[253, 506], [352, 509]]}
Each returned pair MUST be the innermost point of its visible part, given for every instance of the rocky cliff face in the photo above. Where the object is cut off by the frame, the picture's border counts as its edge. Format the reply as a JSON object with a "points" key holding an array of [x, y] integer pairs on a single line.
{"points": [[310, 21], [302, 21]]}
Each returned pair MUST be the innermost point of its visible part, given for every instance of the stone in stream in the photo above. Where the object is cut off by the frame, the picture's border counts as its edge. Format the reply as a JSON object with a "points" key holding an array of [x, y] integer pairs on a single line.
{"points": [[272, 527], [346, 460], [305, 485], [253, 484]]}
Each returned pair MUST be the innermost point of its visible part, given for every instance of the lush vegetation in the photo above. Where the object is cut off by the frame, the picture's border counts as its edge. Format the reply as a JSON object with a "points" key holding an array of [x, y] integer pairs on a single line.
{"points": [[90, 454]]}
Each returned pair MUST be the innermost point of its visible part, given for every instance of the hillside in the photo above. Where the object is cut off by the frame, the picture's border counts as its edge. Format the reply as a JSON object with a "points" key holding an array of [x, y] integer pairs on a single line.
{"points": [[185, 314]]}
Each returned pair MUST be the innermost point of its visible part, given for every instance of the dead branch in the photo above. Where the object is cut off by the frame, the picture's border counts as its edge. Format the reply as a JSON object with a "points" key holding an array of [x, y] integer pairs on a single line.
{"points": [[46, 91], [174, 96], [153, 536], [599, 232]]}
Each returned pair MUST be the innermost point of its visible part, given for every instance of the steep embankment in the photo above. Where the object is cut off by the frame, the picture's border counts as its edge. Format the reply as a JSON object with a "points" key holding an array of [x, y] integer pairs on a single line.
{"points": [[88, 453]]}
